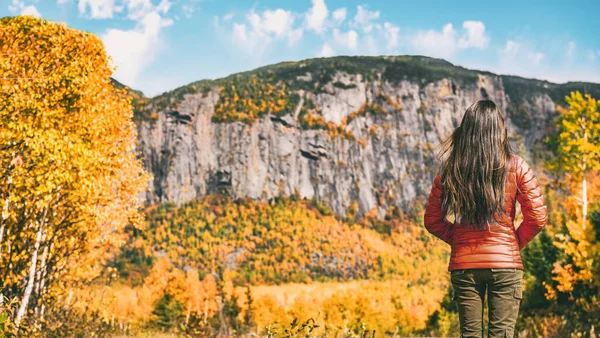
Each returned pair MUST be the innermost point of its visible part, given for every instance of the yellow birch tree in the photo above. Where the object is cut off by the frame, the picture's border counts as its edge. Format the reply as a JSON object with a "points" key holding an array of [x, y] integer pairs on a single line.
{"points": [[70, 179]]}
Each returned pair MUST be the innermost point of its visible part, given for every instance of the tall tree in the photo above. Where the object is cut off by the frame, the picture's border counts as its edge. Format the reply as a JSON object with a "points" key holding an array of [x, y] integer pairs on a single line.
{"points": [[70, 179], [579, 141], [575, 284]]}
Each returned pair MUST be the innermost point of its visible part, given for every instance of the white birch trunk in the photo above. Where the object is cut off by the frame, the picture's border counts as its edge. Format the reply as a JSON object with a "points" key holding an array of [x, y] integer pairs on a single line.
{"points": [[41, 271], [4, 214], [584, 201], [29, 287], [187, 316], [70, 297]]}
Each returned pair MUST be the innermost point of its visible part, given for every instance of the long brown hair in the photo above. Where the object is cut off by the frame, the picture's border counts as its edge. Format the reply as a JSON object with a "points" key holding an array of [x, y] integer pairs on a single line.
{"points": [[474, 165]]}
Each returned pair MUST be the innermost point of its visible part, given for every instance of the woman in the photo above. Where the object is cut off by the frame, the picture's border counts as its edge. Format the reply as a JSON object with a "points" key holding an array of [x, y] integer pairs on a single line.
{"points": [[477, 184]]}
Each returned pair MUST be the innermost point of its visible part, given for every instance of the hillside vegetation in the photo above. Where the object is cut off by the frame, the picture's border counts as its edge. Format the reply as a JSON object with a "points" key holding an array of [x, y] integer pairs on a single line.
{"points": [[283, 241], [218, 264], [275, 88]]}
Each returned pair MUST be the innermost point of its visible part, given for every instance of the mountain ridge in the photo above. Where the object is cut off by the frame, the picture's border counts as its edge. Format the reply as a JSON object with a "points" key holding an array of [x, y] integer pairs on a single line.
{"points": [[342, 130], [291, 63]]}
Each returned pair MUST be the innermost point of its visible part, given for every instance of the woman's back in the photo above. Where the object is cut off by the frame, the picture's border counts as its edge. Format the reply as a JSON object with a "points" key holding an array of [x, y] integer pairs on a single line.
{"points": [[498, 245]]}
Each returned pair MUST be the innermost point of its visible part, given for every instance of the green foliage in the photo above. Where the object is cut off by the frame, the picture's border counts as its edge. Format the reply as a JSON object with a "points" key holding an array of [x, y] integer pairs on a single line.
{"points": [[167, 313], [195, 327], [561, 282], [246, 98], [295, 329], [443, 322], [251, 97], [138, 101], [341, 85], [594, 218], [307, 329], [249, 314], [170, 99], [538, 259], [521, 90], [520, 115]]}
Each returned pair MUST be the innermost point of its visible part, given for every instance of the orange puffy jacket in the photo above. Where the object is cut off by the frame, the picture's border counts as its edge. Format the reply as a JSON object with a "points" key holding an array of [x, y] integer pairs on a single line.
{"points": [[498, 246]]}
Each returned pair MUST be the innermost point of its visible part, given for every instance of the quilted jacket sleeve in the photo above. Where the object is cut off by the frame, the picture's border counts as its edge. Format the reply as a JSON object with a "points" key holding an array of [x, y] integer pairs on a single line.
{"points": [[529, 195], [434, 219]]}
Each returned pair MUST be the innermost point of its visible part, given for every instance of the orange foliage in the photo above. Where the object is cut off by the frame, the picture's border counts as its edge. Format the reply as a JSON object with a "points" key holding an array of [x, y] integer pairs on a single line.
{"points": [[78, 181]]}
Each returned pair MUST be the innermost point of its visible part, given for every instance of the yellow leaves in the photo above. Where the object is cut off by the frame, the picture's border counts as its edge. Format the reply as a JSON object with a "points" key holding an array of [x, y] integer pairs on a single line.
{"points": [[564, 276], [250, 99], [373, 130], [74, 138], [579, 138]]}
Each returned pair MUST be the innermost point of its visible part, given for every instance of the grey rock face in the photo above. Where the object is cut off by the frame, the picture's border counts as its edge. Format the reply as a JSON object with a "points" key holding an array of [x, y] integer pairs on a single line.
{"points": [[191, 156]]}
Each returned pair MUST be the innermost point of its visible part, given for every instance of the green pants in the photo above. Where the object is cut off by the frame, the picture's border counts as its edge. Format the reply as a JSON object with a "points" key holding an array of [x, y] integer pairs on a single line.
{"points": [[504, 292]]}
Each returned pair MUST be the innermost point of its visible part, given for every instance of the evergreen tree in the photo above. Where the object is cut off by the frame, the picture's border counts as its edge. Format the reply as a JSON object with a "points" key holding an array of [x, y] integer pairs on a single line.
{"points": [[167, 312]]}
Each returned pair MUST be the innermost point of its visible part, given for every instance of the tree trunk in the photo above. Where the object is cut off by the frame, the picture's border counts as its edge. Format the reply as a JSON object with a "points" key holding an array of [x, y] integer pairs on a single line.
{"points": [[40, 276], [41, 271], [1, 235], [187, 316], [5, 213], [584, 201], [29, 287]]}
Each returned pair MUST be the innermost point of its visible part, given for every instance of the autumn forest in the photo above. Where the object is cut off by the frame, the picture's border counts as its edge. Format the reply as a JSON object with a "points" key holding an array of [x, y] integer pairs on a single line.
{"points": [[82, 254]]}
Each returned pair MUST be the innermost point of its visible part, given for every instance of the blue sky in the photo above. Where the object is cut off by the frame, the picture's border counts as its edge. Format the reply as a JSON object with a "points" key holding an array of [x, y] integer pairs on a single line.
{"points": [[158, 45]]}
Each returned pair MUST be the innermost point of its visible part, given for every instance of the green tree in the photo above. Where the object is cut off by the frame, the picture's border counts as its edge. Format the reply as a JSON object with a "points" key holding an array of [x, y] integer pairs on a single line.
{"points": [[167, 312], [249, 315]]}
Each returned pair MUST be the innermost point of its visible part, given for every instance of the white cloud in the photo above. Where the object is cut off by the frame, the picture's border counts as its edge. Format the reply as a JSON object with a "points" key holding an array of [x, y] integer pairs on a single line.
{"points": [[474, 36], [526, 57], [18, 6], [228, 17], [446, 43], [137, 9], [520, 58], [260, 29], [348, 39], [316, 16], [278, 22], [391, 34], [435, 43], [31, 10], [240, 32], [294, 36], [99, 9], [61, 2], [371, 45], [164, 6], [188, 10], [511, 49], [364, 17], [326, 51], [135, 49], [536, 58], [339, 15]]}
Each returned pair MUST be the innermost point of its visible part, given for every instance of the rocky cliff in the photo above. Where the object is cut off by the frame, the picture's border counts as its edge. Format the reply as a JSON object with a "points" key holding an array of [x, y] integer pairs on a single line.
{"points": [[357, 133]]}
